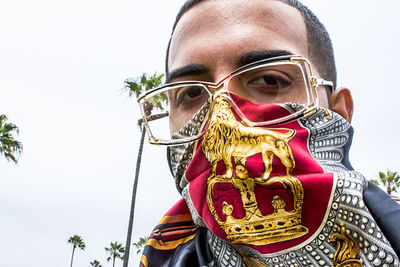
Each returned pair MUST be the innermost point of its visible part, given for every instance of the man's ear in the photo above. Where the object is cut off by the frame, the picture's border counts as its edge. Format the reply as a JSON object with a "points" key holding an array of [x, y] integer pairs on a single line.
{"points": [[342, 103]]}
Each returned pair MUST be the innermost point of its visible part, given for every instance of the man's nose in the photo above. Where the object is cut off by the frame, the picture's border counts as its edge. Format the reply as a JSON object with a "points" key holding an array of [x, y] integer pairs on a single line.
{"points": [[220, 80]]}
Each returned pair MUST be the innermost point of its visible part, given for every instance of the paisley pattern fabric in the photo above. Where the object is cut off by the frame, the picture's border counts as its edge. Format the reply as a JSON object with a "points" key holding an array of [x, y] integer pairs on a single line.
{"points": [[333, 227]]}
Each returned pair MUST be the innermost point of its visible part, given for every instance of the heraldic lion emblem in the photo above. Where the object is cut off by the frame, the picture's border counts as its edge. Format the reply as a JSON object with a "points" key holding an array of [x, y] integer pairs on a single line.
{"points": [[225, 138]]}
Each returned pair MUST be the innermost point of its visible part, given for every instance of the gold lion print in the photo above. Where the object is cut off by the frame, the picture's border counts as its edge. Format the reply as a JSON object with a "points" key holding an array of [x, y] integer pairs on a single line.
{"points": [[227, 138]]}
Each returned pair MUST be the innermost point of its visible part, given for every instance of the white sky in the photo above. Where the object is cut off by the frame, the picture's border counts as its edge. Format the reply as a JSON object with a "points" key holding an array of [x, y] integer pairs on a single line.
{"points": [[62, 65]]}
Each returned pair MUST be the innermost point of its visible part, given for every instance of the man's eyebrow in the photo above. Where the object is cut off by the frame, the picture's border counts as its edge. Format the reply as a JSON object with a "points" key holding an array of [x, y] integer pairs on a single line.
{"points": [[254, 56], [250, 57], [192, 69]]}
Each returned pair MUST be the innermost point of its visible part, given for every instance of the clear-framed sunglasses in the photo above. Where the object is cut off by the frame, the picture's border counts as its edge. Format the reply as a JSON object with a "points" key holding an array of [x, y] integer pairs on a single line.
{"points": [[278, 80]]}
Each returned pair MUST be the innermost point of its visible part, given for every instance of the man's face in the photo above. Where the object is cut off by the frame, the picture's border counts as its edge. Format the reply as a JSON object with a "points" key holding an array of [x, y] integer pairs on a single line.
{"points": [[214, 38]]}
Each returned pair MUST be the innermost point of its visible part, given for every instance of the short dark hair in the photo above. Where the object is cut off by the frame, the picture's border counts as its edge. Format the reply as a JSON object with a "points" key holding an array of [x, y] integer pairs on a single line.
{"points": [[319, 44]]}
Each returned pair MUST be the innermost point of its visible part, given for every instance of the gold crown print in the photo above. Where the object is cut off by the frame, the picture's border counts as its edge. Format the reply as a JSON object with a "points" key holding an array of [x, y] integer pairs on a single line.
{"points": [[227, 138]]}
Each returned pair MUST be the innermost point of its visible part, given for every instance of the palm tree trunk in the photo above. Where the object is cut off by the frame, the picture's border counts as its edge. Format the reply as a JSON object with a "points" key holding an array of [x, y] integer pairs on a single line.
{"points": [[72, 257], [389, 190], [113, 260], [132, 212]]}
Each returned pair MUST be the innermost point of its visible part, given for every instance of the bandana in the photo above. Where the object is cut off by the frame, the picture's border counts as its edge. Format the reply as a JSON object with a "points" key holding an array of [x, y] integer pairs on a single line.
{"points": [[274, 196]]}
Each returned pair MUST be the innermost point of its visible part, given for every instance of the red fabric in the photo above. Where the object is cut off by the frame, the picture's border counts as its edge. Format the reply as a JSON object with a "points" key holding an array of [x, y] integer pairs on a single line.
{"points": [[179, 208], [317, 185]]}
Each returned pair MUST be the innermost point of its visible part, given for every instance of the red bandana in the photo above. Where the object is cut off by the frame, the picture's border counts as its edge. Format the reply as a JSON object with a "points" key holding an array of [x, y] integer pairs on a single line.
{"points": [[249, 210]]}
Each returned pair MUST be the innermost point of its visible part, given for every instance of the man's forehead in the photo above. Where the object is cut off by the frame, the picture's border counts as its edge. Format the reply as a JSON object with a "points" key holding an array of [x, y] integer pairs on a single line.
{"points": [[234, 26]]}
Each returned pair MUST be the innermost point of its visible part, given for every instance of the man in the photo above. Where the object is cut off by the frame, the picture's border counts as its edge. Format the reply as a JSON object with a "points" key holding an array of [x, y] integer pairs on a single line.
{"points": [[260, 139]]}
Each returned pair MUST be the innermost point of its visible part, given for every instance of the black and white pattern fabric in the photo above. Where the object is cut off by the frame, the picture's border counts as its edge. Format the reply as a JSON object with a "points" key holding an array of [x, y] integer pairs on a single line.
{"points": [[329, 142]]}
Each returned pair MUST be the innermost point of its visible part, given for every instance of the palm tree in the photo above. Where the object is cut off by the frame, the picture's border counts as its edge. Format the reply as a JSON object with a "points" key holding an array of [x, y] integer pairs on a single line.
{"points": [[140, 244], [9, 147], [76, 241], [136, 87], [95, 263], [116, 250], [389, 179], [144, 83]]}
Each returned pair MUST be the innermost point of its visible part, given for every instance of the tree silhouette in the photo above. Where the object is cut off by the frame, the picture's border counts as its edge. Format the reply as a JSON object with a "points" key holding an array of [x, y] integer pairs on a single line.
{"points": [[140, 244], [76, 241], [95, 263], [116, 251], [135, 87], [9, 146], [391, 180]]}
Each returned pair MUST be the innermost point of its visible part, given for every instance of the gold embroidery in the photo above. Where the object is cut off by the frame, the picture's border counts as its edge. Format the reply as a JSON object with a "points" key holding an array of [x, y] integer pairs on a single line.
{"points": [[347, 248], [227, 138], [327, 114]]}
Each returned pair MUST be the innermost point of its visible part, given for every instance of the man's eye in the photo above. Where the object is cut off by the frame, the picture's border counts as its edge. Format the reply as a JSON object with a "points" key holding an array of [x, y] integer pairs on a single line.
{"points": [[193, 92], [190, 95], [269, 82]]}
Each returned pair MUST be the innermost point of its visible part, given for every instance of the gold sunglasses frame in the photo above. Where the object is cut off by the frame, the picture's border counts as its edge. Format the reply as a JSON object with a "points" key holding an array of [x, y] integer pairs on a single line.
{"points": [[215, 89]]}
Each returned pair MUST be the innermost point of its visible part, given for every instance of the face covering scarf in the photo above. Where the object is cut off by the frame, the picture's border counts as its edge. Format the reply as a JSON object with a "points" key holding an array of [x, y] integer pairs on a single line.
{"points": [[283, 195]]}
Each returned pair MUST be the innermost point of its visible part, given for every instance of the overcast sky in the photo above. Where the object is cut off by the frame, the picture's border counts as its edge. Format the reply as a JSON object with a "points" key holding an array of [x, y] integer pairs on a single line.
{"points": [[62, 67]]}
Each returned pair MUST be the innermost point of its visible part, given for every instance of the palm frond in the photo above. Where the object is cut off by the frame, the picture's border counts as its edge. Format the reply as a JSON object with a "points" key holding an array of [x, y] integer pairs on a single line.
{"points": [[9, 146], [77, 241], [390, 179], [383, 178], [143, 83], [116, 250], [141, 243], [95, 263]]}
